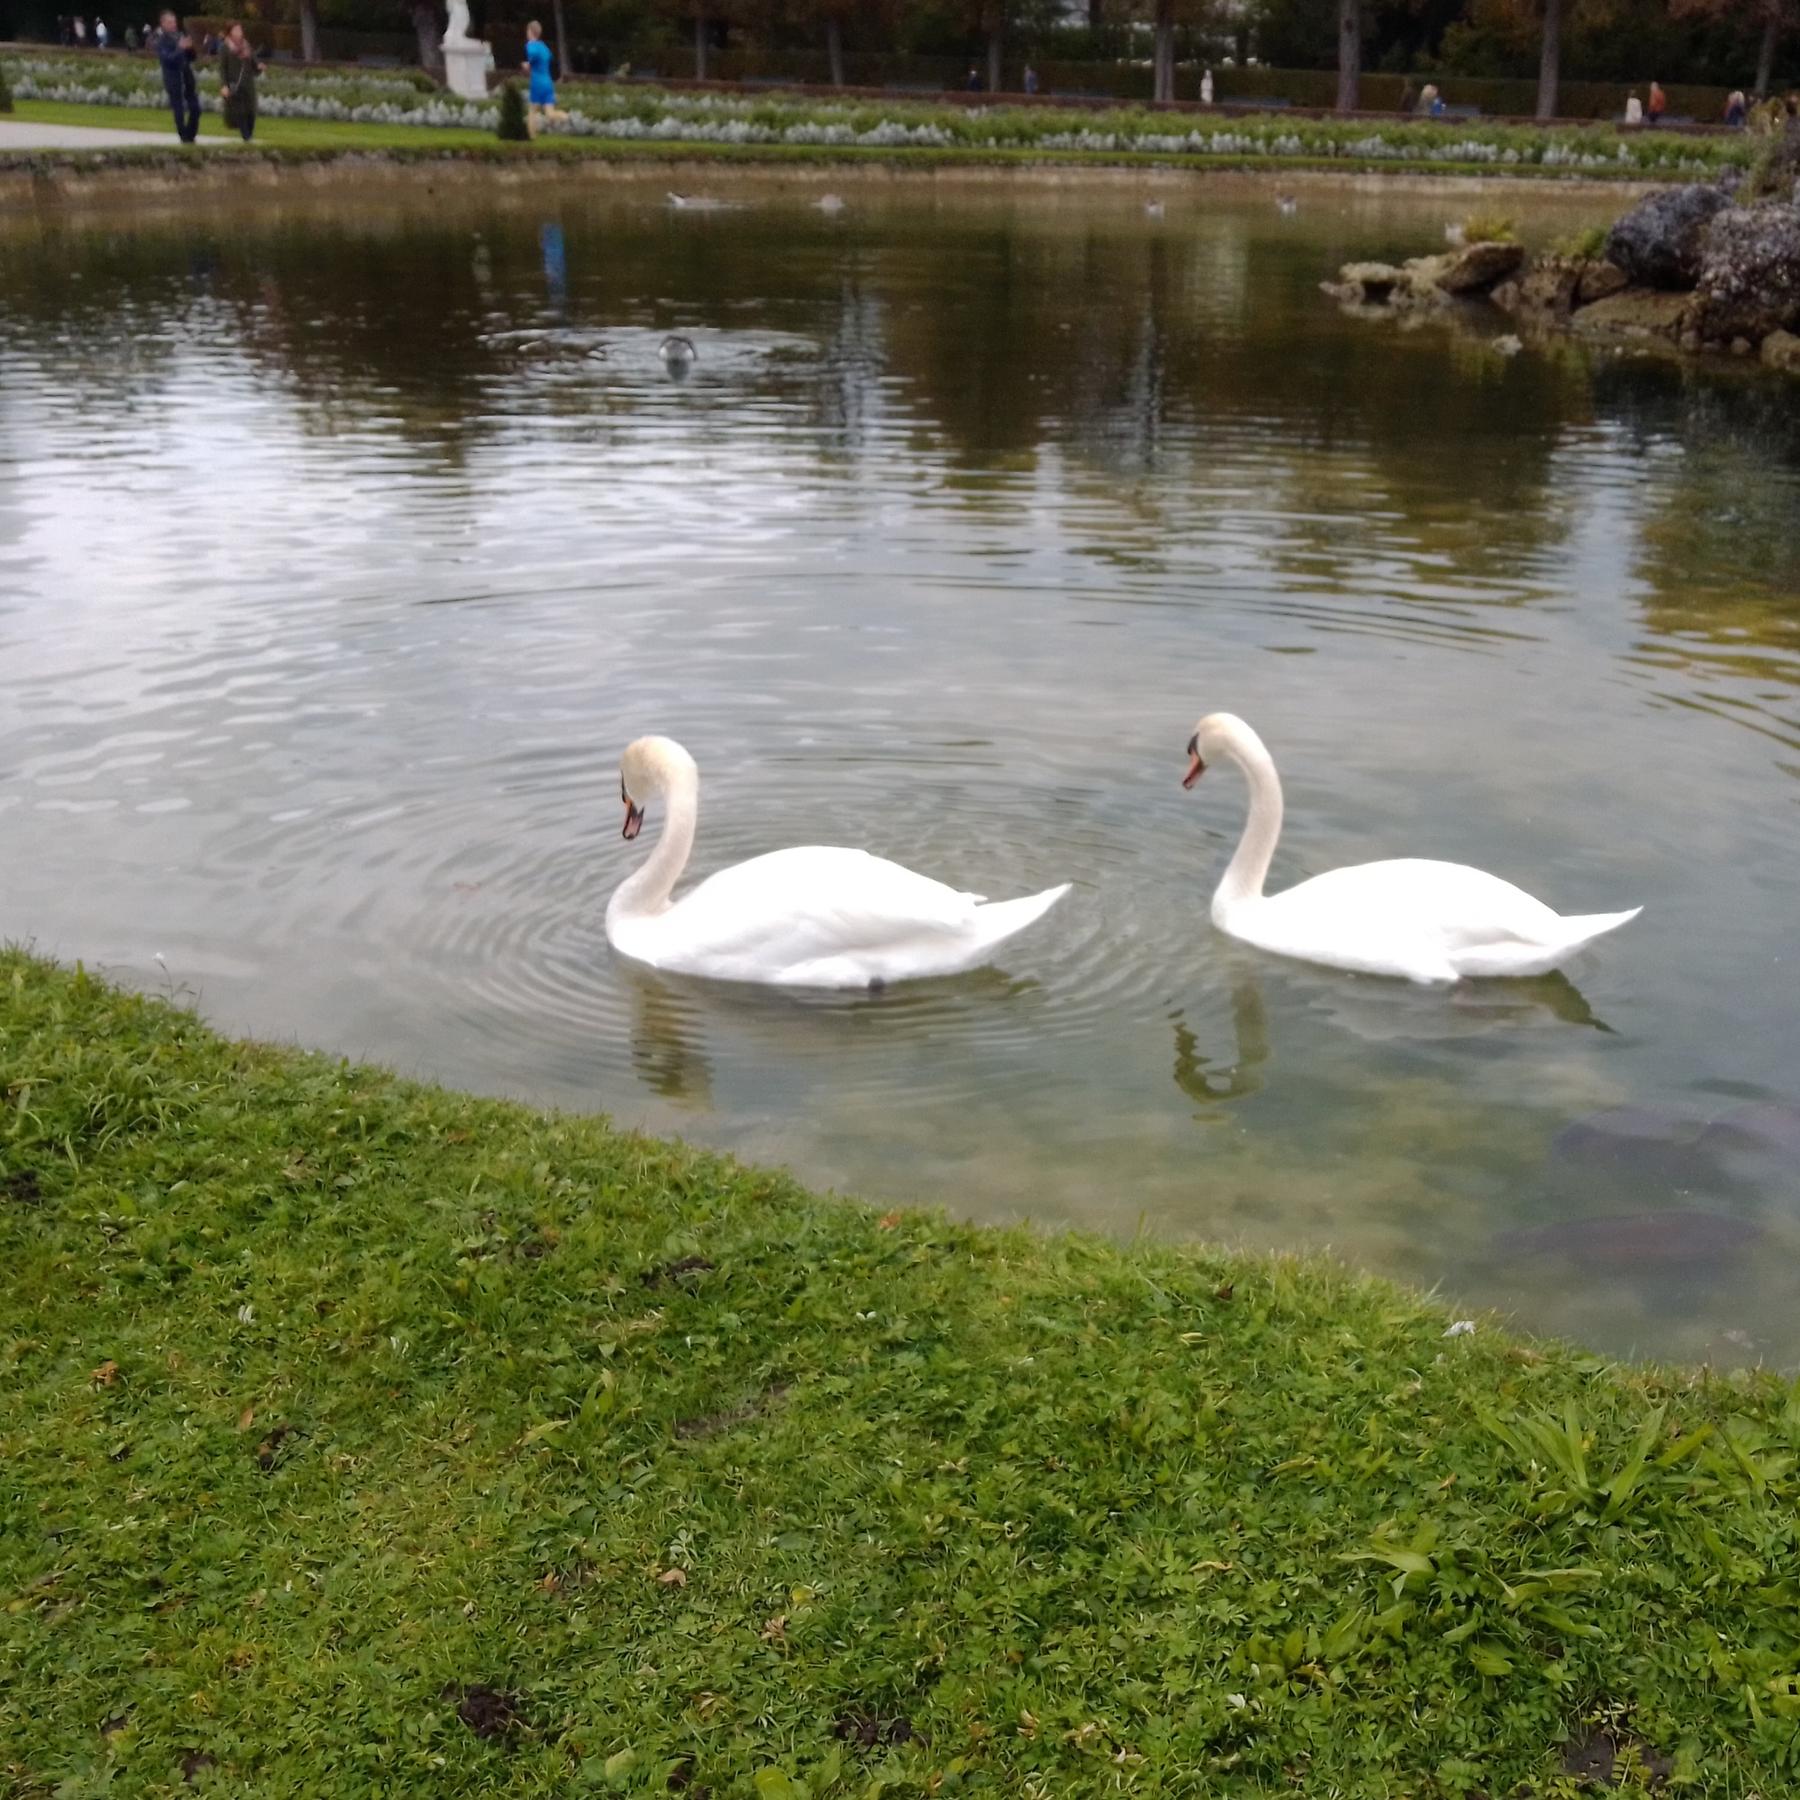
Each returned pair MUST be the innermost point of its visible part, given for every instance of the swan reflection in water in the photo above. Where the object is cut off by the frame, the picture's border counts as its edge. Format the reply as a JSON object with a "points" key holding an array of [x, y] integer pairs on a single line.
{"points": [[668, 1046], [1375, 1010], [1209, 1082], [679, 1022]]}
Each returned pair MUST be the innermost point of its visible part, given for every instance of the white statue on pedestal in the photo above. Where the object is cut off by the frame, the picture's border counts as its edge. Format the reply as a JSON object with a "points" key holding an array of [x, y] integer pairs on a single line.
{"points": [[467, 59]]}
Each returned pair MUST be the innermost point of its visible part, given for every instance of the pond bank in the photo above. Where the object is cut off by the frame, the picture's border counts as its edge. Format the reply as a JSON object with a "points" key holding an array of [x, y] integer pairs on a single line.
{"points": [[357, 1424], [159, 175]]}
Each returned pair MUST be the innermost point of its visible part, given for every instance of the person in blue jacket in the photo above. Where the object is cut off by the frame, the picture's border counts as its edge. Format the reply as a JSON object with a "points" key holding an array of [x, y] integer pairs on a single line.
{"points": [[542, 92], [175, 51]]}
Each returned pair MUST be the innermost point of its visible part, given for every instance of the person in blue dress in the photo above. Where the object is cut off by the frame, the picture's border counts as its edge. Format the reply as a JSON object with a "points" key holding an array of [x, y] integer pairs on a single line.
{"points": [[542, 93]]}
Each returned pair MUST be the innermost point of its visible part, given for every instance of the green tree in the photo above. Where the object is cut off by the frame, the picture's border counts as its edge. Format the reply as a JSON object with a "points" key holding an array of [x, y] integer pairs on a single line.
{"points": [[1349, 31], [1165, 18], [428, 27], [1550, 21], [1770, 17]]}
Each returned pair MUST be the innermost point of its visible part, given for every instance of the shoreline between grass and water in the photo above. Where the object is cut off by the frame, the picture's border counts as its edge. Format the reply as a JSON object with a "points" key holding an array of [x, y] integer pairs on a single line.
{"points": [[360, 1436], [158, 177], [778, 134]]}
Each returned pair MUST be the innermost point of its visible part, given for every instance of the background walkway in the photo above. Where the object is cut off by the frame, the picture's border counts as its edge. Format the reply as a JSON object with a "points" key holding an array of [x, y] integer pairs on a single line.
{"points": [[23, 134]]}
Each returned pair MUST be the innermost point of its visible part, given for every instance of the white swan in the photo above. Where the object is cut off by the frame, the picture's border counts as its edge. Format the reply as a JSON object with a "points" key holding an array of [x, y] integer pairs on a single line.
{"points": [[808, 917], [1427, 921], [678, 352]]}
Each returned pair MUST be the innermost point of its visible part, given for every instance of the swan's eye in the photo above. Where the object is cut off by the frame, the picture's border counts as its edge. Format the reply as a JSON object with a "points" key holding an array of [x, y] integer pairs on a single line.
{"points": [[1193, 745]]}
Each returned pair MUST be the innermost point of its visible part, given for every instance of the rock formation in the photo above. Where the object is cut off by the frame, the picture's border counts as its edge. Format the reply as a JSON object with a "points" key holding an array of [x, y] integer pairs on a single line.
{"points": [[1692, 266]]}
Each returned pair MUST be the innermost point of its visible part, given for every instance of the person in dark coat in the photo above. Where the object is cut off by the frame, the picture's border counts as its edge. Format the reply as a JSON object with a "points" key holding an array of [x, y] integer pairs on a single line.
{"points": [[238, 70], [175, 51]]}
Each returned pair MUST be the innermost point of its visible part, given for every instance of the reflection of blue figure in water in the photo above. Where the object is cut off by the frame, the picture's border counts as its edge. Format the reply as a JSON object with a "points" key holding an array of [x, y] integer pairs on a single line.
{"points": [[556, 262]]}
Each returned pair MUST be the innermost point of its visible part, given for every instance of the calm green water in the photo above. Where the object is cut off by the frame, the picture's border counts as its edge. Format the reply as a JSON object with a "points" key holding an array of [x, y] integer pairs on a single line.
{"points": [[325, 609]]}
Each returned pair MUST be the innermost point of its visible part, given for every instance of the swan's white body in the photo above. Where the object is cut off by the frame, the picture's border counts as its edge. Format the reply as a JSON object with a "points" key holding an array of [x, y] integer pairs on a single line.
{"points": [[816, 916], [1426, 921]]}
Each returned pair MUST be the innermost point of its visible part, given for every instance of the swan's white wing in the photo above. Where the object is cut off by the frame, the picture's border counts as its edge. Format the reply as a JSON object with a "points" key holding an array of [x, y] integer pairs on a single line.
{"points": [[813, 903], [1458, 907]]}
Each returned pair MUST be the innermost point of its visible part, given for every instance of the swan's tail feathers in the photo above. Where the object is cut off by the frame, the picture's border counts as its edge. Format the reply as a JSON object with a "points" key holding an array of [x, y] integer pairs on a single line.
{"points": [[998, 920], [1585, 927], [1572, 935]]}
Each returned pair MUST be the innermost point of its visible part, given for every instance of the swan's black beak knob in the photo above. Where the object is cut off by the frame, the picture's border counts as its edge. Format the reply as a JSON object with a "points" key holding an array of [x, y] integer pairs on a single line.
{"points": [[634, 819]]}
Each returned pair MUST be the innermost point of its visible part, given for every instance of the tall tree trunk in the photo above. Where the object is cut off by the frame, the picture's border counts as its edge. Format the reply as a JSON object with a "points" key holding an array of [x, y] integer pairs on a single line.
{"points": [[1765, 59], [1349, 54], [996, 37], [430, 31], [309, 30], [564, 68], [1164, 64], [834, 48], [699, 46], [1096, 11], [1550, 59]]}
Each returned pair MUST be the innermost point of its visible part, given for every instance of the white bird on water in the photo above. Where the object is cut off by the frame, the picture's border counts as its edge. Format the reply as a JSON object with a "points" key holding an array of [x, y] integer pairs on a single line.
{"points": [[829, 203], [1153, 209], [678, 352], [697, 203], [815, 916], [1288, 205], [1427, 921]]}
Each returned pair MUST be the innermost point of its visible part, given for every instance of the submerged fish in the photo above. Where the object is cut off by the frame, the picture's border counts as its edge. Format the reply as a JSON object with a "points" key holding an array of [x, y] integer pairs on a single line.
{"points": [[1770, 1129], [1653, 1140], [1635, 1240]]}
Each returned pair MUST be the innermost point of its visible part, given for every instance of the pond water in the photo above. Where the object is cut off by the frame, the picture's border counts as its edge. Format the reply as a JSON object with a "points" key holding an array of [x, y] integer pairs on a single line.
{"points": [[327, 601]]}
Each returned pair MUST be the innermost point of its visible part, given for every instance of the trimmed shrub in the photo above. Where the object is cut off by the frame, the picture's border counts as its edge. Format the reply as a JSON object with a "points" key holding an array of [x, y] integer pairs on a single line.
{"points": [[513, 126]]}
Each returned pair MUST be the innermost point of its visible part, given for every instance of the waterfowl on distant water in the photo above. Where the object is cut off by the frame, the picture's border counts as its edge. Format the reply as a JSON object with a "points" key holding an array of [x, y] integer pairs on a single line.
{"points": [[815, 916], [678, 352], [1427, 921], [1288, 204]]}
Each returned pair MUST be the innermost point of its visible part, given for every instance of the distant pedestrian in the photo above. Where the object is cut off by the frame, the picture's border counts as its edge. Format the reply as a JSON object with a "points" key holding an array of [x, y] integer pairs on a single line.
{"points": [[79, 26], [238, 70], [1409, 98], [1737, 111], [102, 37], [1206, 87], [1431, 102], [541, 93], [1659, 103], [175, 51], [1634, 111], [1031, 82], [974, 85]]}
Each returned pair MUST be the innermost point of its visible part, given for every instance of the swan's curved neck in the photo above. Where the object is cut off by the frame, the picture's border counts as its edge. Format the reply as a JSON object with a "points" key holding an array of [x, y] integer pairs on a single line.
{"points": [[1249, 867], [646, 893]]}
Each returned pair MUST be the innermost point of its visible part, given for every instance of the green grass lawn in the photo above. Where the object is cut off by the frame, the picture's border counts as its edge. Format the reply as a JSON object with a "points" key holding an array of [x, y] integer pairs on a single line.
{"points": [[325, 137], [361, 1438]]}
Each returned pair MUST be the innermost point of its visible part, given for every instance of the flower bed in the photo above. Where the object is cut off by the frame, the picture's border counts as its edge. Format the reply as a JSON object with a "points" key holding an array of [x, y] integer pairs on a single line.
{"points": [[654, 115]]}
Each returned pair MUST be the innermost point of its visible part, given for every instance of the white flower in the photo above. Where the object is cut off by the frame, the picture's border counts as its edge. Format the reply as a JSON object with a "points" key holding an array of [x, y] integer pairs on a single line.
{"points": [[246, 1314], [1461, 1328]]}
